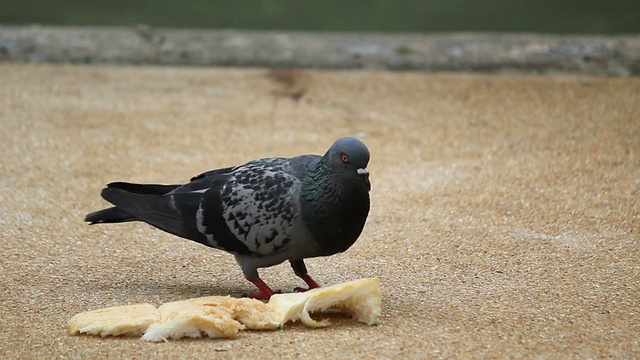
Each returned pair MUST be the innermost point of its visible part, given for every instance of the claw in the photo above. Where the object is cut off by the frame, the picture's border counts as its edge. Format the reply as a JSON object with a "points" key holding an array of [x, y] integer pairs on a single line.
{"points": [[300, 270], [300, 289], [264, 291], [312, 283], [263, 295]]}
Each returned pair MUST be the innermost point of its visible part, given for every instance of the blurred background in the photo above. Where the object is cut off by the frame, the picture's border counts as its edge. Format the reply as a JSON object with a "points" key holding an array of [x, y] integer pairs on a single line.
{"points": [[537, 16]]}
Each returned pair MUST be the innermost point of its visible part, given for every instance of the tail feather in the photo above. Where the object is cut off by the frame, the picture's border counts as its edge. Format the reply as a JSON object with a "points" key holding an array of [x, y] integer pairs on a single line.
{"points": [[110, 215], [142, 189], [154, 209], [116, 192], [153, 204]]}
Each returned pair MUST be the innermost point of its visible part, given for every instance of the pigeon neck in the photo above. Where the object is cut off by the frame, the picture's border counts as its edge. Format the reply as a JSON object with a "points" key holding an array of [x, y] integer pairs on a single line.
{"points": [[321, 186], [333, 211]]}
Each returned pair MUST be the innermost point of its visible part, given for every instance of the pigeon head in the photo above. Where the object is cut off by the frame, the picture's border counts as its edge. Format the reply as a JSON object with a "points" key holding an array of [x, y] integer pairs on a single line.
{"points": [[349, 157]]}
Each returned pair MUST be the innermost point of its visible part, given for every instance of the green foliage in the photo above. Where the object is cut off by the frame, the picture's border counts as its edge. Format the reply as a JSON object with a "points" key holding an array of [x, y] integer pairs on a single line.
{"points": [[541, 16]]}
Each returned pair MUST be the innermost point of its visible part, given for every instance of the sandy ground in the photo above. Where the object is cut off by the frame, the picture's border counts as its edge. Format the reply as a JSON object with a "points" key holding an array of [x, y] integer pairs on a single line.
{"points": [[505, 214]]}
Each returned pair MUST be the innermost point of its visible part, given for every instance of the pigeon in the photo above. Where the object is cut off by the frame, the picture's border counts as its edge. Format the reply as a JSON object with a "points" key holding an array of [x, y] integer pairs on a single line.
{"points": [[264, 212]]}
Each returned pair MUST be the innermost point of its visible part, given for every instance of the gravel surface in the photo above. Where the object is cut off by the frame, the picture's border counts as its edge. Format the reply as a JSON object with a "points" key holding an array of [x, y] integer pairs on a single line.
{"points": [[505, 208], [479, 52]]}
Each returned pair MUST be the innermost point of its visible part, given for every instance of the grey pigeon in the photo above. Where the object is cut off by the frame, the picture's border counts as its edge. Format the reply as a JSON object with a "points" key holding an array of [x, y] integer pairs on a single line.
{"points": [[264, 212]]}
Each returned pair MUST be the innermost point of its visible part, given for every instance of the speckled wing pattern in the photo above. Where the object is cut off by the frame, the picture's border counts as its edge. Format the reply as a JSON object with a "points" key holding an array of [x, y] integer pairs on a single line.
{"points": [[257, 206]]}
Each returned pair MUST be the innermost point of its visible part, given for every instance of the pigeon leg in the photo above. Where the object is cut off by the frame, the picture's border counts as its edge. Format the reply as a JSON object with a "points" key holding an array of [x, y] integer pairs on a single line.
{"points": [[300, 270], [264, 291], [250, 271]]}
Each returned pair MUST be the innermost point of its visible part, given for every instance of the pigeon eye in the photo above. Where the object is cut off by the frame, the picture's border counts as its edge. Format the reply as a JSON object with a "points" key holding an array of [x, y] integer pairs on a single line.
{"points": [[345, 158]]}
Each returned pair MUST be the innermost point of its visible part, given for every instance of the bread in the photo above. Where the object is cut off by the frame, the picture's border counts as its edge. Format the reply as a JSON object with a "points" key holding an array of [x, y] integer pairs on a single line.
{"points": [[224, 316], [213, 316], [184, 319], [360, 298], [114, 321]]}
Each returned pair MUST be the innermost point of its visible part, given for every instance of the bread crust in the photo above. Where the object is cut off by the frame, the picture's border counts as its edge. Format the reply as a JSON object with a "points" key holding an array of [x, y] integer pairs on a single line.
{"points": [[224, 316]]}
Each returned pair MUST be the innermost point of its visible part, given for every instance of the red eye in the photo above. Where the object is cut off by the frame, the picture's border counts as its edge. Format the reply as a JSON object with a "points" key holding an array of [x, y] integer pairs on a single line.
{"points": [[345, 158]]}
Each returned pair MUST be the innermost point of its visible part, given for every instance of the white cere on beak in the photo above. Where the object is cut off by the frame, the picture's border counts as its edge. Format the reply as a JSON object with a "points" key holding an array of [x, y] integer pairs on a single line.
{"points": [[363, 171]]}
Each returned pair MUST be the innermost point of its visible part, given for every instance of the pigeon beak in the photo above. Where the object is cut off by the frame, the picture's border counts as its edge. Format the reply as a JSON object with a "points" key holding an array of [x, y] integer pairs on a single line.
{"points": [[365, 174]]}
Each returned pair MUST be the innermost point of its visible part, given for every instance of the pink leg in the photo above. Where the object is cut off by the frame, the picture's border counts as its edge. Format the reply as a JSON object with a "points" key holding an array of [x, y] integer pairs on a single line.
{"points": [[312, 283], [264, 291], [301, 271]]}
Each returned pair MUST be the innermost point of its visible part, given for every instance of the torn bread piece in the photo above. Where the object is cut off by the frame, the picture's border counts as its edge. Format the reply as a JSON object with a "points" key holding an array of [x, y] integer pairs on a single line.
{"points": [[224, 316], [183, 319], [359, 298], [211, 316], [252, 313], [114, 321]]}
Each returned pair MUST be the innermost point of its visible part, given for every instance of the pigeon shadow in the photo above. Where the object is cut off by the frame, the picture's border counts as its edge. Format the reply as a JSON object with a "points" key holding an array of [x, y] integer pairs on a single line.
{"points": [[191, 290], [169, 290]]}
